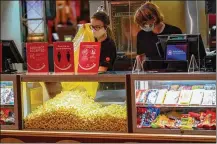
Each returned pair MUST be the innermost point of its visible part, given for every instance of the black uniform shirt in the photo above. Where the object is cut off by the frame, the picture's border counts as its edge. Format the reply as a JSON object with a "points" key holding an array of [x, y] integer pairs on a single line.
{"points": [[146, 41], [107, 53]]}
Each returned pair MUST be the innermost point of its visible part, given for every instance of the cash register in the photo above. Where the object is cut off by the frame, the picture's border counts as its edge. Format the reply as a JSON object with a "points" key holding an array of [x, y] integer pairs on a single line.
{"points": [[177, 50]]}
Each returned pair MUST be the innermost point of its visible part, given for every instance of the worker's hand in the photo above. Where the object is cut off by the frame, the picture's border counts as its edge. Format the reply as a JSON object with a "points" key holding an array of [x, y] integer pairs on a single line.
{"points": [[141, 58], [138, 65], [53, 88], [102, 69]]}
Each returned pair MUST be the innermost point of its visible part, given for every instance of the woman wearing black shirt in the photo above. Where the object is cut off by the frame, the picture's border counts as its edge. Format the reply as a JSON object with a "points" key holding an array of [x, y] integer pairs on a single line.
{"points": [[102, 33], [150, 20]]}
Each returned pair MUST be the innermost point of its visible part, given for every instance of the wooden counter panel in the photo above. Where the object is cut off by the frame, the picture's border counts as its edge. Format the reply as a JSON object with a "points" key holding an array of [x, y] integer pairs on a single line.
{"points": [[51, 136]]}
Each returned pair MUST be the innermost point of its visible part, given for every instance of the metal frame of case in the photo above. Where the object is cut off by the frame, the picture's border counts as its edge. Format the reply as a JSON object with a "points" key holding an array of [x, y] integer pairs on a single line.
{"points": [[170, 77], [17, 101]]}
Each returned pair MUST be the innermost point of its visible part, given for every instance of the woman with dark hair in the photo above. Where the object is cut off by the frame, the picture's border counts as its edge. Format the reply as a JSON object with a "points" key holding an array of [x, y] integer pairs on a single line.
{"points": [[102, 33]]}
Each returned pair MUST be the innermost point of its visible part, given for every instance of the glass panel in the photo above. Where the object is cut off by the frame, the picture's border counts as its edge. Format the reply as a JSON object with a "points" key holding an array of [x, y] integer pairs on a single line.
{"points": [[123, 26], [35, 26], [83, 106], [186, 105], [34, 9], [7, 103]]}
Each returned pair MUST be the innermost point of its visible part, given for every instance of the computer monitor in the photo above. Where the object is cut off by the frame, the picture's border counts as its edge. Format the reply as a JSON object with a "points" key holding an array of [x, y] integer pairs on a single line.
{"points": [[10, 54], [194, 42]]}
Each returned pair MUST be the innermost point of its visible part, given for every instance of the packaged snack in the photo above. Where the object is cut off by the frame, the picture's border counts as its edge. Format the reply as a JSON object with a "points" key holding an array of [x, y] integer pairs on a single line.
{"points": [[194, 115], [161, 96], [142, 97], [174, 115], [174, 87], [6, 116], [197, 97], [187, 122], [10, 119], [207, 120], [151, 96], [173, 119], [140, 111], [207, 98], [206, 124], [149, 116], [160, 122], [210, 87], [196, 119], [172, 97], [178, 123], [185, 88], [213, 121], [197, 87], [185, 97]]}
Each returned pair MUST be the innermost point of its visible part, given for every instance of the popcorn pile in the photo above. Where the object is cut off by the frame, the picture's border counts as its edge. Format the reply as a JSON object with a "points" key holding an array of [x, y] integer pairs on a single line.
{"points": [[75, 110]]}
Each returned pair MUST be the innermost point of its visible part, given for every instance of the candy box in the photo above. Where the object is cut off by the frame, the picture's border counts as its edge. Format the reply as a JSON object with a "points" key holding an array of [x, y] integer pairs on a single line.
{"points": [[161, 96], [185, 97], [138, 93], [197, 97], [172, 97], [208, 97], [152, 96], [7, 96], [213, 97], [143, 96]]}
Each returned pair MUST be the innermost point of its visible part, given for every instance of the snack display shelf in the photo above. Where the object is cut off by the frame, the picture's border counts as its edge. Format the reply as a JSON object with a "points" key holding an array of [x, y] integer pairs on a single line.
{"points": [[180, 115], [10, 111]]}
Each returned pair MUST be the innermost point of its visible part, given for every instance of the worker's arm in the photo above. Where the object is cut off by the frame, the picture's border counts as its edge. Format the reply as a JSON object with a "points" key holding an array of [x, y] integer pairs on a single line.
{"points": [[53, 88]]}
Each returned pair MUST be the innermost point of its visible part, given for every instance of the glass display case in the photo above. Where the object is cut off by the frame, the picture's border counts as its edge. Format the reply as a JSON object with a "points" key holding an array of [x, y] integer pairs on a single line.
{"points": [[10, 102], [75, 102], [174, 103]]}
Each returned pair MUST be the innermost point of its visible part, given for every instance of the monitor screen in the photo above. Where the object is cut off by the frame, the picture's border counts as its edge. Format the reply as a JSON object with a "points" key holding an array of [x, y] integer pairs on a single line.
{"points": [[176, 52]]}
